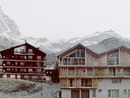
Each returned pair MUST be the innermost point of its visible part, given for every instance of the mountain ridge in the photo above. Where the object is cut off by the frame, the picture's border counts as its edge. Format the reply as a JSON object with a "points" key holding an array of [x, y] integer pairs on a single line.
{"points": [[11, 36]]}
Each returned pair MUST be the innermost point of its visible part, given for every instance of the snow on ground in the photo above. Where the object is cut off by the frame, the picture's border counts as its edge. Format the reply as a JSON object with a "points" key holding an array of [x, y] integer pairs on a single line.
{"points": [[12, 88]]}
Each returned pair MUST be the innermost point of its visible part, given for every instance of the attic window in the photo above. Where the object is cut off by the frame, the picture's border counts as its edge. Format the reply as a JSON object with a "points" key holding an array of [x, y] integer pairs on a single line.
{"points": [[30, 50], [22, 50], [113, 58], [39, 57], [77, 53]]}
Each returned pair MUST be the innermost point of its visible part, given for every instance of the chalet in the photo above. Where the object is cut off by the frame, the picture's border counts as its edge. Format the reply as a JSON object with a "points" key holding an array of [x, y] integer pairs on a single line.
{"points": [[23, 62], [52, 74], [86, 74]]}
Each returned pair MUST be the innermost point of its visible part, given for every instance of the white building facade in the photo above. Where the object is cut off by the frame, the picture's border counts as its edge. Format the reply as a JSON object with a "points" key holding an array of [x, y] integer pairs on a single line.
{"points": [[86, 74]]}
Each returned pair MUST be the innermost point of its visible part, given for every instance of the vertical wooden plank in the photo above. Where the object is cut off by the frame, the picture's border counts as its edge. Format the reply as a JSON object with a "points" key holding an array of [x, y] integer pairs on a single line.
{"points": [[119, 56], [67, 72], [85, 57], [94, 82], [121, 72]]}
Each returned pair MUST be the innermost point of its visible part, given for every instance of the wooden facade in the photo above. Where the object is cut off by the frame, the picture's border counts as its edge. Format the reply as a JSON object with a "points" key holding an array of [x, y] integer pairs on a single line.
{"points": [[53, 73], [23, 62], [82, 69]]}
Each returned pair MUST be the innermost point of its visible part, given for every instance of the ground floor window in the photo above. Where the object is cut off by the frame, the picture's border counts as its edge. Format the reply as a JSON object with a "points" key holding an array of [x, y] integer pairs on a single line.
{"points": [[116, 80], [94, 93], [113, 93]]}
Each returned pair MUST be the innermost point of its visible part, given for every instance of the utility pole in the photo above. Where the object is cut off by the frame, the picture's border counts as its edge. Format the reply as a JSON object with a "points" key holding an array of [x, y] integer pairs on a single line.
{"points": [[41, 89]]}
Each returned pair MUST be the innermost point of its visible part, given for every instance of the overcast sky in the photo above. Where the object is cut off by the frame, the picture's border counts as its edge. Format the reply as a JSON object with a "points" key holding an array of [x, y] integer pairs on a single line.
{"points": [[57, 19]]}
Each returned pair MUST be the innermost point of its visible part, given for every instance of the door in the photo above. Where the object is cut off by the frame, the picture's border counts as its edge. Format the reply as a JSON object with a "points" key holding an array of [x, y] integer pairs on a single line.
{"points": [[129, 93], [84, 93], [74, 93]]}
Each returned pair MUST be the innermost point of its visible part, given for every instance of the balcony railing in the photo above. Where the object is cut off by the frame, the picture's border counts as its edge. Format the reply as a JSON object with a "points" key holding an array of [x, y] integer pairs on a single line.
{"points": [[86, 85], [91, 64], [23, 52]]}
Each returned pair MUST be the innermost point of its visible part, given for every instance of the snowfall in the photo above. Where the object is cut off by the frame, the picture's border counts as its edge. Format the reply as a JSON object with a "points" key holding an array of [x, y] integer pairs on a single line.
{"points": [[13, 88]]}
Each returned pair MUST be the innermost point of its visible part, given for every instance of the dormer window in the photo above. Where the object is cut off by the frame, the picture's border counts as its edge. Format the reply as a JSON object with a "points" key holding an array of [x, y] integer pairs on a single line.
{"points": [[113, 58], [76, 57], [78, 53], [30, 50]]}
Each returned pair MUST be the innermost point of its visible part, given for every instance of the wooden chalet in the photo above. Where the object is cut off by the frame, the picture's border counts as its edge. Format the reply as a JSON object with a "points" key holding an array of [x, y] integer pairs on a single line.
{"points": [[53, 74], [86, 74], [23, 62]]}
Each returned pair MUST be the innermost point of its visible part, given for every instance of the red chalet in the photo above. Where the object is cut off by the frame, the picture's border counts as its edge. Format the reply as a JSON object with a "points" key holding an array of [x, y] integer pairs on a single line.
{"points": [[23, 62]]}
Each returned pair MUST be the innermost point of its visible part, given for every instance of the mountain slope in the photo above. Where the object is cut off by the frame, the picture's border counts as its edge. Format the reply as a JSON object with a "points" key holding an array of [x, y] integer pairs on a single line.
{"points": [[11, 36], [109, 43], [87, 40], [7, 25]]}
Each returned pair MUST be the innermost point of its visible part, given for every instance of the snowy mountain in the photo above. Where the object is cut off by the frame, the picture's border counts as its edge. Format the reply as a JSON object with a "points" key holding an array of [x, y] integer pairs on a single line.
{"points": [[7, 25], [87, 40], [8, 31], [109, 43], [11, 36]]}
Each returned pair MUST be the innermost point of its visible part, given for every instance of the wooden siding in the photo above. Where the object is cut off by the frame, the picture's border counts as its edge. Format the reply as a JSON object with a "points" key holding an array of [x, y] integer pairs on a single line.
{"points": [[99, 69], [23, 62]]}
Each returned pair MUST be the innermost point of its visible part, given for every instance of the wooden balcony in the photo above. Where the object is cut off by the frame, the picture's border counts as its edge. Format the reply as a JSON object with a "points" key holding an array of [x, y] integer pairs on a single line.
{"points": [[79, 83]]}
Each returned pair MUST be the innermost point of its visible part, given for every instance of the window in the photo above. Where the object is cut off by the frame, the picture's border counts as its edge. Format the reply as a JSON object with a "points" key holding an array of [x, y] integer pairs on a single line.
{"points": [[22, 70], [30, 50], [8, 69], [78, 53], [30, 57], [86, 83], [22, 50], [8, 63], [76, 57], [21, 63], [125, 91], [113, 93], [89, 71], [16, 69], [126, 72], [39, 70], [129, 93], [21, 57], [116, 80], [71, 72], [111, 71], [94, 93], [74, 61], [16, 63], [100, 90], [64, 61], [30, 70], [112, 58], [39, 64], [34, 77], [39, 57], [72, 82]]}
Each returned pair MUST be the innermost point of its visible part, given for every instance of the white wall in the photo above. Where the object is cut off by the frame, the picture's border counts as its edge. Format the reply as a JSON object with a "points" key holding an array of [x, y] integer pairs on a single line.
{"points": [[66, 93], [106, 84]]}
